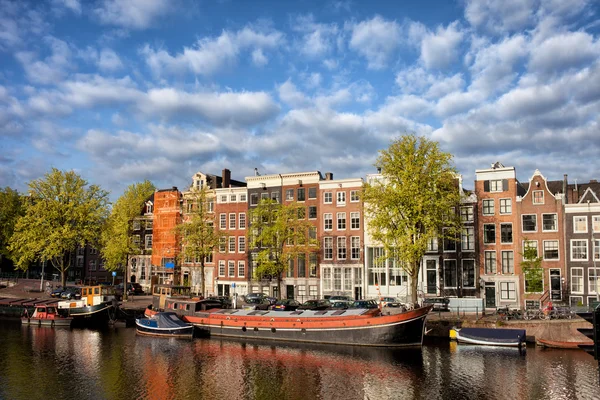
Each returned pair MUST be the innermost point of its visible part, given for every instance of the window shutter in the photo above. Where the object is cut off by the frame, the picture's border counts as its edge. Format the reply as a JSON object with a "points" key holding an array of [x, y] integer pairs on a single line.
{"points": [[486, 186], [504, 185]]}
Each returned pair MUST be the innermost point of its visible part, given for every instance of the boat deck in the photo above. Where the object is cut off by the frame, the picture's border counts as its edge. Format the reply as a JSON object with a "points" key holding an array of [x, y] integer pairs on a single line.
{"points": [[293, 314]]}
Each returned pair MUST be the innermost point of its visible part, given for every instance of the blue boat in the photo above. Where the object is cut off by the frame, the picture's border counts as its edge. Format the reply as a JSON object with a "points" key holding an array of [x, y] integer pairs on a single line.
{"points": [[165, 324], [489, 336]]}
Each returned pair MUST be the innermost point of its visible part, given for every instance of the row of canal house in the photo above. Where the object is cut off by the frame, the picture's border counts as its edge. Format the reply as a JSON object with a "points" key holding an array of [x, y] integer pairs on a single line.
{"points": [[500, 217]]}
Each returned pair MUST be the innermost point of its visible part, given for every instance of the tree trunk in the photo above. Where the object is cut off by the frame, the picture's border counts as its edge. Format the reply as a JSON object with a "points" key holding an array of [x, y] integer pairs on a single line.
{"points": [[414, 280], [279, 286], [125, 277], [202, 278]]}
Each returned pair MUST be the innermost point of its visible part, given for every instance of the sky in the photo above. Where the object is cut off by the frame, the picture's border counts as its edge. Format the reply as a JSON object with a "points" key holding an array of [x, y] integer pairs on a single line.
{"points": [[122, 91]]}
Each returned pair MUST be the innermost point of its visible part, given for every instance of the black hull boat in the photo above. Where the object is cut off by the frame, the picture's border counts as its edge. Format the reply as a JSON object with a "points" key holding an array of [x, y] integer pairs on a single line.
{"points": [[165, 324], [489, 336], [97, 306]]}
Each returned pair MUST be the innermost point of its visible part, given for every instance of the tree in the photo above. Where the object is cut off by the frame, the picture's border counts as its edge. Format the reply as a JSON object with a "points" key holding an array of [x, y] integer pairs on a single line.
{"points": [[117, 236], [11, 209], [62, 214], [199, 234], [279, 233], [532, 268], [412, 202]]}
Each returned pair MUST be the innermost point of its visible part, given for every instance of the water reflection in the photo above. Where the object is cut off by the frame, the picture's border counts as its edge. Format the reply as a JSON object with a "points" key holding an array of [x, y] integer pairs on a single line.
{"points": [[41, 363]]}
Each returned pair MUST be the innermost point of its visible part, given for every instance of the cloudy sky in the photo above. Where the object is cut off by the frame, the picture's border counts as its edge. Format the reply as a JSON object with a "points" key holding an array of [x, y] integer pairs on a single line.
{"points": [[122, 91]]}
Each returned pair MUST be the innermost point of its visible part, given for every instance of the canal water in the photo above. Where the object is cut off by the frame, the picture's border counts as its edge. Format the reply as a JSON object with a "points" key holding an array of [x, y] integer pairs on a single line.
{"points": [[63, 363]]}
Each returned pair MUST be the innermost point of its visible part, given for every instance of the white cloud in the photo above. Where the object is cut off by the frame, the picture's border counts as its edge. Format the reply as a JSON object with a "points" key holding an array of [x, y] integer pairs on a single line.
{"points": [[259, 59], [563, 51], [330, 64], [430, 86], [439, 49], [73, 5], [500, 16], [109, 61], [132, 14], [292, 96], [314, 80], [317, 40], [376, 40]]}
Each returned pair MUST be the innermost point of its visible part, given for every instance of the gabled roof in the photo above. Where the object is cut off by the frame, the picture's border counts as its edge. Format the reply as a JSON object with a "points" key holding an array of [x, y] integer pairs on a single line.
{"points": [[589, 196]]}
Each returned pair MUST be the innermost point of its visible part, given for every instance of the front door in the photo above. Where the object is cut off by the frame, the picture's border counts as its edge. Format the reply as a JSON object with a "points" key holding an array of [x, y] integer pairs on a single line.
{"points": [[289, 289], [555, 285], [490, 295], [431, 268], [357, 293], [275, 292]]}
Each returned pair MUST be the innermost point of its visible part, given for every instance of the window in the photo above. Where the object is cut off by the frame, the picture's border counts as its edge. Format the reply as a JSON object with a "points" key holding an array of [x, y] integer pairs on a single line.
{"points": [[312, 212], [596, 244], [489, 233], [496, 185], [232, 244], [290, 269], [327, 198], [241, 244], [468, 239], [136, 240], [538, 197], [468, 273], [312, 234], [242, 198], [241, 269], [301, 266], [579, 250], [221, 267], [449, 244], [312, 265], [92, 265], [136, 225], [529, 223], [149, 224], [354, 196], [580, 224], [532, 246], [328, 248], [490, 262], [223, 221], [341, 221], [301, 194], [312, 193], [254, 199], [242, 220], [432, 244], [264, 196], [231, 268], [326, 279], [488, 207], [550, 249], [223, 198], [596, 223], [505, 206], [233, 198], [328, 221], [232, 221], [355, 220], [577, 280], [593, 277], [222, 241], [508, 265], [341, 248], [450, 274], [148, 242], [466, 214], [549, 222], [341, 198], [355, 248], [506, 233], [289, 194], [301, 212], [508, 291], [211, 206]]}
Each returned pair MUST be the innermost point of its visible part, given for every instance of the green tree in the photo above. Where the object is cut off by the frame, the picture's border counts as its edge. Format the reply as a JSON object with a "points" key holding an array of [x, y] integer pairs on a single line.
{"points": [[412, 202], [532, 268], [279, 232], [11, 209], [198, 234], [117, 243], [62, 214]]}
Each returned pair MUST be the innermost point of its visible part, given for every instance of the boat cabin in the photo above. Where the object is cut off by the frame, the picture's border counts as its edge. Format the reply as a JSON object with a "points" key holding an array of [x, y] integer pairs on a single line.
{"points": [[160, 294], [44, 312]]}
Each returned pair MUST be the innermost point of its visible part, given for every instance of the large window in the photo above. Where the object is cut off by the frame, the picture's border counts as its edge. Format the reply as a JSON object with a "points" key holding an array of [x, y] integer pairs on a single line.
{"points": [[529, 223], [148, 242], [506, 233], [221, 267], [466, 214], [355, 220], [508, 265], [468, 239], [534, 280], [241, 269], [232, 221], [223, 221], [328, 221], [490, 262], [231, 268], [505, 206], [580, 224], [301, 194], [593, 278], [341, 248], [449, 244], [354, 197], [577, 280], [328, 248], [355, 248], [530, 246], [488, 207], [596, 223], [301, 266], [450, 274], [596, 244], [538, 197], [312, 212], [341, 221], [579, 250], [312, 193], [254, 199], [432, 244], [327, 198], [242, 220], [326, 278], [550, 249], [289, 194], [508, 291], [341, 198], [468, 273], [489, 233], [549, 222], [231, 244], [241, 244], [312, 265]]}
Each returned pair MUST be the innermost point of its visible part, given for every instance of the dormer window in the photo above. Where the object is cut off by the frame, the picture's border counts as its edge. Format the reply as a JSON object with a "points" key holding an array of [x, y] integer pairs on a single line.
{"points": [[538, 197]]}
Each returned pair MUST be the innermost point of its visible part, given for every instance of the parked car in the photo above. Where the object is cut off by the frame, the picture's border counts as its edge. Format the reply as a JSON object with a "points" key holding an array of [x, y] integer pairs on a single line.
{"points": [[256, 304], [364, 304], [132, 289], [439, 303], [285, 305], [57, 292], [253, 296], [390, 302], [315, 305], [224, 300], [340, 301], [71, 292]]}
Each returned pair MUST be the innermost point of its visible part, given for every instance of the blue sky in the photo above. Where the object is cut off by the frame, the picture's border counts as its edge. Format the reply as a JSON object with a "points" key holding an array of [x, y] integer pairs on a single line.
{"points": [[122, 91]]}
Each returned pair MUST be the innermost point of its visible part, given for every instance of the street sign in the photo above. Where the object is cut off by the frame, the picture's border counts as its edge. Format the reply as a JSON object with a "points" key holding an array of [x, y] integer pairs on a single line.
{"points": [[170, 265]]}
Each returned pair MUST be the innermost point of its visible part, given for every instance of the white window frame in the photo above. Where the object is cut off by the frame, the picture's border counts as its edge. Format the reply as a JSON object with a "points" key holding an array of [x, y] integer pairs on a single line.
{"points": [[495, 185], [531, 244], [557, 249], [509, 272], [328, 198], [221, 270], [483, 207], [444, 273], [494, 268], [474, 273], [355, 247], [341, 220], [512, 233], [232, 220], [555, 222], [575, 279], [342, 249], [508, 287], [242, 220], [328, 247], [340, 198], [507, 204], [231, 268], [596, 223], [233, 198], [241, 268], [241, 244], [596, 249], [533, 199], [467, 215], [243, 198], [523, 223], [467, 241], [354, 197], [593, 274], [148, 239], [232, 244], [355, 220], [328, 218], [223, 221], [586, 250], [485, 236], [223, 198], [582, 218]]}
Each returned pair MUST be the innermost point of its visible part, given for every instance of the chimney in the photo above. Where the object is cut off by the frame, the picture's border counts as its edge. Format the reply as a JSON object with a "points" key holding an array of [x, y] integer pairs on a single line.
{"points": [[593, 181], [174, 188], [256, 172], [226, 174], [565, 186], [328, 176]]}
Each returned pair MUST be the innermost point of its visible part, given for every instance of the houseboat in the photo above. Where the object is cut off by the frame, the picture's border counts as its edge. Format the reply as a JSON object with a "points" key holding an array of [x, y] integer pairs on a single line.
{"points": [[45, 315], [97, 305]]}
